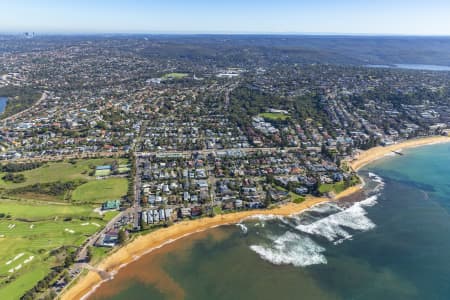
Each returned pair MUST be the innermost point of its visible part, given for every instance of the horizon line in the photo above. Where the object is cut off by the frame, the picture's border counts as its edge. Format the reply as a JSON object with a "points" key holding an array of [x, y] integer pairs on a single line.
{"points": [[218, 33]]}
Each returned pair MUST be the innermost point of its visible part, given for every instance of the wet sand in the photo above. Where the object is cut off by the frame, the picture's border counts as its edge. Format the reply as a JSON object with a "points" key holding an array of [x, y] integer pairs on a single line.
{"points": [[157, 239]]}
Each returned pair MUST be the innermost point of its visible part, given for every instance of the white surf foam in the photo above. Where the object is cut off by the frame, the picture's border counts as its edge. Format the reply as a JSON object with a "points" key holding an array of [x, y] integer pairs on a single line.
{"points": [[263, 217], [243, 227], [260, 224], [369, 202], [334, 227], [375, 178], [291, 248], [325, 208]]}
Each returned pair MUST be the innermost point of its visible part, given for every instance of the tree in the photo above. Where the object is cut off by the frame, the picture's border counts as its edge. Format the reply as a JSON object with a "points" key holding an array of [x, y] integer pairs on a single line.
{"points": [[270, 179], [142, 223], [122, 237], [66, 276], [268, 199], [89, 254], [15, 178], [68, 260]]}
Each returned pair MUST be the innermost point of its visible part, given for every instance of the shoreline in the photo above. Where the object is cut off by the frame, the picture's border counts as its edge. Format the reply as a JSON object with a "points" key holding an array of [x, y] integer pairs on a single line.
{"points": [[145, 244], [366, 157]]}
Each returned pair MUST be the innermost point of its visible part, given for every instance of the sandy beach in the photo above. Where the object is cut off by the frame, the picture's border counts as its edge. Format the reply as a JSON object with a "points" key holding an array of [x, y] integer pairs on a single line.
{"points": [[371, 155], [145, 244]]}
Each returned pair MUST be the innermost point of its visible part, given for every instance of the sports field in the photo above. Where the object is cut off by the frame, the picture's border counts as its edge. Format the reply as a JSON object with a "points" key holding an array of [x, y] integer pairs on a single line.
{"points": [[175, 76], [101, 173], [274, 116], [101, 190]]}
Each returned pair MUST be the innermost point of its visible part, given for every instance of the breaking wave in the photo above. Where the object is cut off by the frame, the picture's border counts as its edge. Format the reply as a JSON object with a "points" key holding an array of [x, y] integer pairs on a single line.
{"points": [[334, 227], [378, 180], [325, 208], [242, 227], [291, 248], [264, 218], [332, 221]]}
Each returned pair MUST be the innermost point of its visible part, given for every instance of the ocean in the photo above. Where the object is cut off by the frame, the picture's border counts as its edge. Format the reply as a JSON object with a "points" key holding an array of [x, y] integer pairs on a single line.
{"points": [[420, 67], [394, 244]]}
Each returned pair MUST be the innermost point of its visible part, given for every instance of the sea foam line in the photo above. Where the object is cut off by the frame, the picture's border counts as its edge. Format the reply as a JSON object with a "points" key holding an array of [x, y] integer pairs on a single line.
{"points": [[291, 248], [332, 226], [299, 250]]}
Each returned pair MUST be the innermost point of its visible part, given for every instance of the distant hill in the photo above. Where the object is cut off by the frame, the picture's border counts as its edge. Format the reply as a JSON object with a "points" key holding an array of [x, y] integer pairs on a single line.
{"points": [[355, 50]]}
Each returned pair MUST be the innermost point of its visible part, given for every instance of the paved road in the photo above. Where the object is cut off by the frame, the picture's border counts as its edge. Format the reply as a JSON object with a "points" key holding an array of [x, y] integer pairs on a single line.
{"points": [[70, 156], [43, 98], [81, 258], [208, 151], [82, 253], [137, 192]]}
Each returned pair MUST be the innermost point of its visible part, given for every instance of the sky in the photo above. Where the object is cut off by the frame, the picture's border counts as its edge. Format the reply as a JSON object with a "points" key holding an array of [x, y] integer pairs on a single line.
{"points": [[391, 17]]}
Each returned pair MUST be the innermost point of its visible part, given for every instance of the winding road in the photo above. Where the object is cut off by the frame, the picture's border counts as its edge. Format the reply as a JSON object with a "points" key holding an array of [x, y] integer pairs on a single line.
{"points": [[37, 103]]}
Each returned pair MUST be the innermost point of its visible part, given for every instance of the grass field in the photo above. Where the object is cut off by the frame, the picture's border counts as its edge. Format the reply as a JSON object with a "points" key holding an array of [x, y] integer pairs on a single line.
{"points": [[98, 253], [24, 282], [108, 215], [294, 197], [102, 173], [335, 187], [274, 116], [59, 171], [65, 172], [31, 229], [36, 211], [175, 76], [25, 246], [101, 190], [123, 169]]}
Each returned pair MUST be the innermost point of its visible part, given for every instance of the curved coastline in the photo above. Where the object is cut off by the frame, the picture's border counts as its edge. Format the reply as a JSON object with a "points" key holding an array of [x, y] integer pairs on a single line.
{"points": [[157, 239], [366, 157]]}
